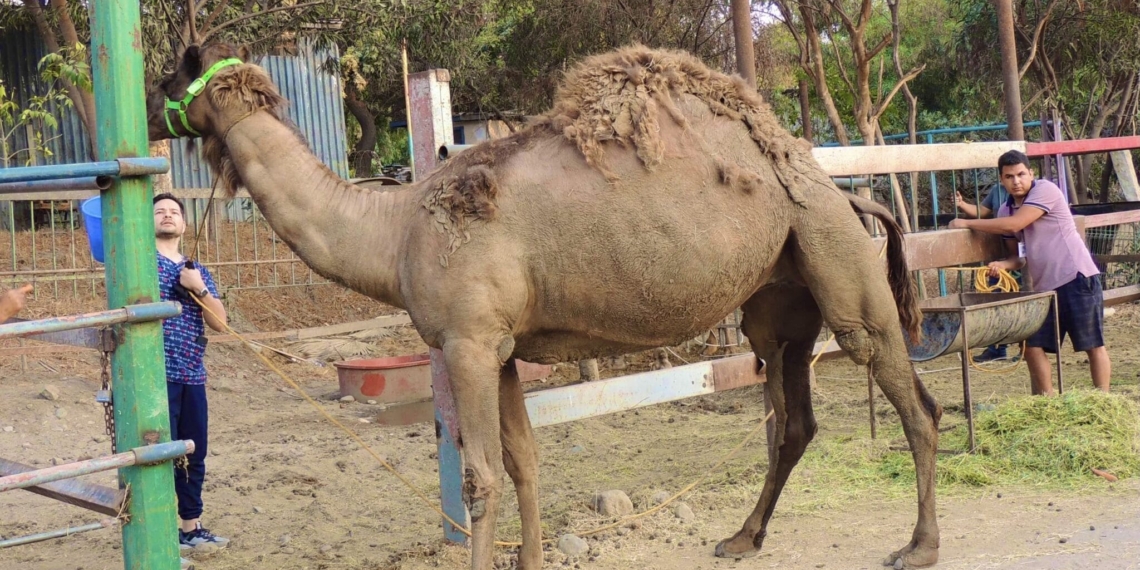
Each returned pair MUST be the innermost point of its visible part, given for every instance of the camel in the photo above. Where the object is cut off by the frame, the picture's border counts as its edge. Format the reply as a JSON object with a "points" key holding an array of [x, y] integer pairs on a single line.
{"points": [[655, 197]]}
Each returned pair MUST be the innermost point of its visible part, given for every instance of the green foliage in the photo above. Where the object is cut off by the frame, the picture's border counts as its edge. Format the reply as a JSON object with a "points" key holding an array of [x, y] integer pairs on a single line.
{"points": [[37, 117]]}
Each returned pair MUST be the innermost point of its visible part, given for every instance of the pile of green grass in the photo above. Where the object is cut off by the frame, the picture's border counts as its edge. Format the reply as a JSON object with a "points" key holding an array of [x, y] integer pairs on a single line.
{"points": [[1041, 440], [1052, 442]]}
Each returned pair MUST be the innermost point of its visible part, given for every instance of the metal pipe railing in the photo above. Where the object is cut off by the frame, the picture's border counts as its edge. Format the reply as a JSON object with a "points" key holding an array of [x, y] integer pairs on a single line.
{"points": [[41, 536], [130, 314], [61, 184], [146, 455], [119, 167], [448, 150]]}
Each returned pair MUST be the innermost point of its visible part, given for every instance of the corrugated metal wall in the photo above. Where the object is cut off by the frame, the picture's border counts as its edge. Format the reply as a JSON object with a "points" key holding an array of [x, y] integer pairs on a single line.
{"points": [[20, 54], [315, 105]]}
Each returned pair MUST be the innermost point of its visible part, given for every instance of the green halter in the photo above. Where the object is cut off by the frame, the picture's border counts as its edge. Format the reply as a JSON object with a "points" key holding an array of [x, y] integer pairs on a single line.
{"points": [[193, 91]]}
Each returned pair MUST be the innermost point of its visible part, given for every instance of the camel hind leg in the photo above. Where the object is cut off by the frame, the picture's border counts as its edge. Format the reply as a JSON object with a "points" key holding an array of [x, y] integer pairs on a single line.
{"points": [[520, 457], [847, 280], [782, 323]]}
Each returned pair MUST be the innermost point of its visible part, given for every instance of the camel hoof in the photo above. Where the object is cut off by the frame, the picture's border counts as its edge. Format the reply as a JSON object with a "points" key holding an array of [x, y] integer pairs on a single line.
{"points": [[722, 552], [912, 557]]}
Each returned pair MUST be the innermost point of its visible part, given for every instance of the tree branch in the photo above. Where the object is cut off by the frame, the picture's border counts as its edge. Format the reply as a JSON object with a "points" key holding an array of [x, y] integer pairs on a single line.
{"points": [[882, 106], [883, 43], [839, 61], [217, 11], [1036, 38], [212, 31], [192, 20], [852, 28]]}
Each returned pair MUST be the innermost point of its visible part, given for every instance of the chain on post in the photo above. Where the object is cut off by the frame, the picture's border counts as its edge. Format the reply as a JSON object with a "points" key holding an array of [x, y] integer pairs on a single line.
{"points": [[105, 395]]}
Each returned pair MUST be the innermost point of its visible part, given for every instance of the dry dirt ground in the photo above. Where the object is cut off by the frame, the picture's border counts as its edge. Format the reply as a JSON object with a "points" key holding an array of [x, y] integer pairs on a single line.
{"points": [[295, 493]]}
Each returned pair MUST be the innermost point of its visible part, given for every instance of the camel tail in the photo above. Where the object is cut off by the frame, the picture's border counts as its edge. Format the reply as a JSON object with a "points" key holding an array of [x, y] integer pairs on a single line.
{"points": [[903, 286]]}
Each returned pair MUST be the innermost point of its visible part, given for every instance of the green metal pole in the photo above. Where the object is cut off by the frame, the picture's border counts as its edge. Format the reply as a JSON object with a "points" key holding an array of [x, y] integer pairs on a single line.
{"points": [[150, 539]]}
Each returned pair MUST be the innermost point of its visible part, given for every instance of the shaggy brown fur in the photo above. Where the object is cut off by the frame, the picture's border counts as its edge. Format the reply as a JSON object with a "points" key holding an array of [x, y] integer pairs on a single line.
{"points": [[250, 87], [458, 200], [462, 191], [615, 96]]}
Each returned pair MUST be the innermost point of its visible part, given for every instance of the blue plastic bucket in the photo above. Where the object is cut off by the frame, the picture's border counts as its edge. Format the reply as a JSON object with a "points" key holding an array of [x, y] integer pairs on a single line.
{"points": [[93, 222]]}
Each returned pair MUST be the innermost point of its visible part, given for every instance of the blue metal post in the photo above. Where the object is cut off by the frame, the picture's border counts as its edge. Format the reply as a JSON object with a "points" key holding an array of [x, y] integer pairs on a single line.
{"points": [[133, 314], [122, 167], [450, 459], [934, 206]]}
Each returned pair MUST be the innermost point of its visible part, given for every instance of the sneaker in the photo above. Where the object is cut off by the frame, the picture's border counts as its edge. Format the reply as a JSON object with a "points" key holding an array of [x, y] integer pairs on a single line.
{"points": [[200, 536], [991, 354]]}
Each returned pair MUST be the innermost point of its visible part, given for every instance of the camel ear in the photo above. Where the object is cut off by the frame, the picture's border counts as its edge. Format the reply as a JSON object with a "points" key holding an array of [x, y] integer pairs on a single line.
{"points": [[192, 61]]}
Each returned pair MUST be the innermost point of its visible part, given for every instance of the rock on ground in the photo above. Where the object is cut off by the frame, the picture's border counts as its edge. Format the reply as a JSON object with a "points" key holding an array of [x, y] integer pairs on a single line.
{"points": [[613, 503], [50, 393], [684, 512], [571, 545]]}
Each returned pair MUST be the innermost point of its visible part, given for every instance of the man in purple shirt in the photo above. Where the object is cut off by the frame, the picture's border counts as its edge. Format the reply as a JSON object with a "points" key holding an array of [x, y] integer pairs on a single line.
{"points": [[1041, 236]]}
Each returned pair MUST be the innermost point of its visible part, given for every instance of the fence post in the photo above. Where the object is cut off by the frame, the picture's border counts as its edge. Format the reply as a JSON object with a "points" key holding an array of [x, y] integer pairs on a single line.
{"points": [[138, 366], [430, 125]]}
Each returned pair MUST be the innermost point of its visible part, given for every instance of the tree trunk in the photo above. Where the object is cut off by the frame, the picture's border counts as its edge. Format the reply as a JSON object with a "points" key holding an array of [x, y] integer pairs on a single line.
{"points": [[819, 74], [1011, 79], [83, 102], [365, 148], [1106, 180], [742, 32], [86, 98], [805, 109]]}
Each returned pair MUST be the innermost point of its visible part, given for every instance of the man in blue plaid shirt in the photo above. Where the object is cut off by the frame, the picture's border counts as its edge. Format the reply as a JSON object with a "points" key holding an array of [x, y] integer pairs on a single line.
{"points": [[184, 342]]}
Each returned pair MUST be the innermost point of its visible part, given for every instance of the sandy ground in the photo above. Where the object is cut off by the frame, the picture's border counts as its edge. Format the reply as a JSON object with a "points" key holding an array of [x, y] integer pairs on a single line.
{"points": [[295, 493]]}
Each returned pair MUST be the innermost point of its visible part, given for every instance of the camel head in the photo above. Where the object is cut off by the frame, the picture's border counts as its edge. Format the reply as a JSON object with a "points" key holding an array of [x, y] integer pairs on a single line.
{"points": [[209, 91]]}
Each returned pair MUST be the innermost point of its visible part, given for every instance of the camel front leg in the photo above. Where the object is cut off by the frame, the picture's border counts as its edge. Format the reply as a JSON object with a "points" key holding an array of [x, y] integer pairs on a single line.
{"points": [[474, 368], [520, 456]]}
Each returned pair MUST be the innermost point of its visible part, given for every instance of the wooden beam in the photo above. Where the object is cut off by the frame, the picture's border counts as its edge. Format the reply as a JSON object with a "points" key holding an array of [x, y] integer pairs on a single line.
{"points": [[370, 324], [1122, 258], [948, 248], [1111, 219], [601, 397], [76, 492], [1081, 146], [894, 159], [1121, 295]]}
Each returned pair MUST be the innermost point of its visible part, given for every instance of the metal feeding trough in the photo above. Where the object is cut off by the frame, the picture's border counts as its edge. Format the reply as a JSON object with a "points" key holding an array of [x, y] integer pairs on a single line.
{"points": [[957, 323]]}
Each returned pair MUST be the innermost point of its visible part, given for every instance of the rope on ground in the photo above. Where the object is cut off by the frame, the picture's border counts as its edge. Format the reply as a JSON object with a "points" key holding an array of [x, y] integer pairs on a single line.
{"points": [[1006, 283], [356, 438]]}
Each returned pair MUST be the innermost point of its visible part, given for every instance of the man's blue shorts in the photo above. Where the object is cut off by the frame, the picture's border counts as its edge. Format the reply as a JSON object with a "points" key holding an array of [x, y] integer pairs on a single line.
{"points": [[1081, 304]]}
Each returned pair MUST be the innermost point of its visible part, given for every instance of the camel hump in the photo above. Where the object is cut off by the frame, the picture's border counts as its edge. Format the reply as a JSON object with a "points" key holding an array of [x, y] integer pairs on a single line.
{"points": [[621, 95]]}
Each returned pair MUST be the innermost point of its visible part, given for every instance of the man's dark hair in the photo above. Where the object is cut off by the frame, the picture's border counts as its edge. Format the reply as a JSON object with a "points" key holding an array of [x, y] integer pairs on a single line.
{"points": [[1013, 158], [169, 196]]}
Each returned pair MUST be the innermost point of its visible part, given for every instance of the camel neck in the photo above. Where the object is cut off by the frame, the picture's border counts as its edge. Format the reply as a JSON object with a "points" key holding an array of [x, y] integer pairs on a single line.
{"points": [[346, 233]]}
